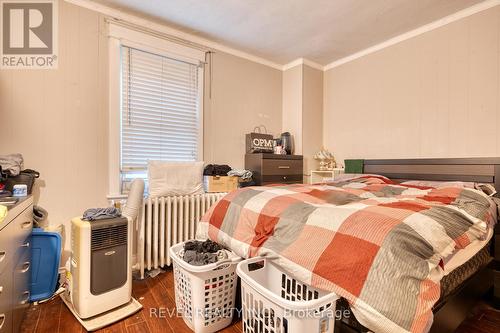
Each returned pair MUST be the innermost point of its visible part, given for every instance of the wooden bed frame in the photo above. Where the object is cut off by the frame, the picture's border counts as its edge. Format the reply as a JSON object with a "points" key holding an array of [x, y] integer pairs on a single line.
{"points": [[452, 310]]}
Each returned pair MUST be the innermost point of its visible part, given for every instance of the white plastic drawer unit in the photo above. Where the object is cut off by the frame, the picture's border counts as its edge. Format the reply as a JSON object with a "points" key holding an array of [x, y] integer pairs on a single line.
{"points": [[15, 265]]}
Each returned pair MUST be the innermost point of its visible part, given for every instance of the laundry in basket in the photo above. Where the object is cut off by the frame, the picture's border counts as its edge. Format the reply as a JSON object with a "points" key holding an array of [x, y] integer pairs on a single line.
{"points": [[205, 295]]}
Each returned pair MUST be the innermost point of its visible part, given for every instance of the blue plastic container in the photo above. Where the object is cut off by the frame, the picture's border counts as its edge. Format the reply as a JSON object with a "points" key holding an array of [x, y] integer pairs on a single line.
{"points": [[45, 258]]}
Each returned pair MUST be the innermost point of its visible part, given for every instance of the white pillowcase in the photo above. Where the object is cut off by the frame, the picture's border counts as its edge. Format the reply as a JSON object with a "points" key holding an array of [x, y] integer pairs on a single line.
{"points": [[175, 178]]}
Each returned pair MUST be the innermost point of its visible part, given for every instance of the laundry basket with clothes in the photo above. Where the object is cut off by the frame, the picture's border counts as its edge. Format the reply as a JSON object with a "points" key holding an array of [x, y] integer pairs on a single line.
{"points": [[205, 284]]}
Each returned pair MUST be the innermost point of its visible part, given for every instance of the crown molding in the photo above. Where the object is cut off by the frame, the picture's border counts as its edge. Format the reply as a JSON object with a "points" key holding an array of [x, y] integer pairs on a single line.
{"points": [[313, 64], [303, 61], [130, 18], [292, 64], [120, 15], [413, 33]]}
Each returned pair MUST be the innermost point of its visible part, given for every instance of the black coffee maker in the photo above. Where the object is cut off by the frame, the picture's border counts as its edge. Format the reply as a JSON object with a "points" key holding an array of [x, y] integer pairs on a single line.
{"points": [[286, 142]]}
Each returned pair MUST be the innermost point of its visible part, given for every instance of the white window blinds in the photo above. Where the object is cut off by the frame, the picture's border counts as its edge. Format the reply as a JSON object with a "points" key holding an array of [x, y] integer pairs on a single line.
{"points": [[160, 117]]}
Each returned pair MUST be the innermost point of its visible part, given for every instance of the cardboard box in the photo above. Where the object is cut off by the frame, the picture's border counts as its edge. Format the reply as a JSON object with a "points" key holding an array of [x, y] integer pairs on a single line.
{"points": [[214, 184]]}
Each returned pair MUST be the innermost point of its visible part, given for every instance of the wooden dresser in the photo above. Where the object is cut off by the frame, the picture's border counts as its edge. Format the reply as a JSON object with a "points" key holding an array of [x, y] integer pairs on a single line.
{"points": [[273, 169], [15, 265]]}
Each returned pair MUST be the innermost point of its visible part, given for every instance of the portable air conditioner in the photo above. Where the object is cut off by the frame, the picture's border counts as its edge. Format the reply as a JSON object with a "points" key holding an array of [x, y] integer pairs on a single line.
{"points": [[101, 272], [99, 279]]}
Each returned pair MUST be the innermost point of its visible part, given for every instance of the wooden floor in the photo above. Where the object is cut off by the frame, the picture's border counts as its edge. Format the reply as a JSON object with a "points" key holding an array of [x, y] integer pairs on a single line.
{"points": [[158, 292], [152, 293]]}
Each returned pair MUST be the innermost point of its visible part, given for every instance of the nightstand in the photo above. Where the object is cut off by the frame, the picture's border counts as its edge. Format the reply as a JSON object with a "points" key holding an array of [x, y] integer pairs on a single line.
{"points": [[319, 176], [275, 169]]}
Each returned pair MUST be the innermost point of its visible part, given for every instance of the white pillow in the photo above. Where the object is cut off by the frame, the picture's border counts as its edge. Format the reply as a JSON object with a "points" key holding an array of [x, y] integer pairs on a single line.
{"points": [[349, 176], [175, 178], [438, 184]]}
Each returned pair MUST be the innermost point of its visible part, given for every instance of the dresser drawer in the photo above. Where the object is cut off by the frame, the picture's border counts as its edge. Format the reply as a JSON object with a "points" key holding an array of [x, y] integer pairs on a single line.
{"points": [[273, 169], [21, 287], [281, 167], [5, 290], [6, 322], [282, 179], [22, 273], [6, 302], [14, 236]]}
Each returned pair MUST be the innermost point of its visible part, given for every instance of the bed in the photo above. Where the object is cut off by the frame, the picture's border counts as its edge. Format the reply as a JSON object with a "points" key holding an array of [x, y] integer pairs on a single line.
{"points": [[466, 284], [370, 239]]}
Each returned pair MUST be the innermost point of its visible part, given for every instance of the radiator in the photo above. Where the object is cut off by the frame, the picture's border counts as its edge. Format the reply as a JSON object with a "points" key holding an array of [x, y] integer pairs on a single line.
{"points": [[166, 221]]}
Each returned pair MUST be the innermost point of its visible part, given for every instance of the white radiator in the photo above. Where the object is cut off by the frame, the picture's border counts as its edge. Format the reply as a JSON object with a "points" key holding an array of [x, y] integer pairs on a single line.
{"points": [[166, 221]]}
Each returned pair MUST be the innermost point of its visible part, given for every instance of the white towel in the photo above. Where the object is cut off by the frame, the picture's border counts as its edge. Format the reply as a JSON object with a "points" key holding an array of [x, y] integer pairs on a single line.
{"points": [[175, 178]]}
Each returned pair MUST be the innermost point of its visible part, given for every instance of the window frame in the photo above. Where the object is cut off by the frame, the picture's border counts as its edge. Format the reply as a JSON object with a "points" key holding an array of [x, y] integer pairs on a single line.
{"points": [[119, 36]]}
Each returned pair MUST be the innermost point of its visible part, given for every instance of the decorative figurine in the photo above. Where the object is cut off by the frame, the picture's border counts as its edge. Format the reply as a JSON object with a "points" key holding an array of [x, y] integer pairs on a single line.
{"points": [[326, 160]]}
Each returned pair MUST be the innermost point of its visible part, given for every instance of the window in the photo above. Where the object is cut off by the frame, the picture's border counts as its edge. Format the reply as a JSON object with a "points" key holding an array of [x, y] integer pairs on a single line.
{"points": [[155, 102], [160, 117]]}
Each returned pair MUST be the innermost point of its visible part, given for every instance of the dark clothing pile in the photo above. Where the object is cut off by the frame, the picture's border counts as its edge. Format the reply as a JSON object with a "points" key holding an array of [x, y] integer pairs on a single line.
{"points": [[216, 170], [199, 253], [39, 216], [26, 177]]}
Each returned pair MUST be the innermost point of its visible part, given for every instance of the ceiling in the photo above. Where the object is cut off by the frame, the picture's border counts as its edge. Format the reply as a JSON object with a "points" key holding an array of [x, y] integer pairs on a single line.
{"points": [[284, 30]]}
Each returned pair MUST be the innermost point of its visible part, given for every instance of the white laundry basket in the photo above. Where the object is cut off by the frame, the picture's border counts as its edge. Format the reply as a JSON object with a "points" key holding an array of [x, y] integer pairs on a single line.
{"points": [[205, 295], [274, 302]]}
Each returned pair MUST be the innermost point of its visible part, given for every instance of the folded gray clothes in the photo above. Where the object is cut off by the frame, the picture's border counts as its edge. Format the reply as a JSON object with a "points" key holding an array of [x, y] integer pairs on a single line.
{"points": [[202, 246], [199, 258], [242, 173], [93, 214], [11, 164], [199, 253]]}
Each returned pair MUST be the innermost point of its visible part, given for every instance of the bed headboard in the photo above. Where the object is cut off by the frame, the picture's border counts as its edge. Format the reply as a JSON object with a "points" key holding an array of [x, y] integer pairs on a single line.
{"points": [[478, 169]]}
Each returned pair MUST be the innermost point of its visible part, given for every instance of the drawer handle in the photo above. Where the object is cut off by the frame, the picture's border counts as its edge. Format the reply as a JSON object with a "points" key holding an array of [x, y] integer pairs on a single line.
{"points": [[2, 320], [26, 267], [26, 225], [26, 297], [1, 289], [283, 167], [2, 255], [284, 177], [27, 244]]}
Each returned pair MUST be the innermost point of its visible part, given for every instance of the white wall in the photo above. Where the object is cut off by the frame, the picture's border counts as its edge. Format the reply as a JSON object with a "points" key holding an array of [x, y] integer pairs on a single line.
{"points": [[58, 118], [435, 95], [244, 95], [312, 116], [292, 105], [303, 111]]}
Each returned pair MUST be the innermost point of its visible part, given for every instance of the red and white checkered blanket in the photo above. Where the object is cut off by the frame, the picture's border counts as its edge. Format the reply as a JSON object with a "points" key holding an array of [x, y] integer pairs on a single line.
{"points": [[369, 240]]}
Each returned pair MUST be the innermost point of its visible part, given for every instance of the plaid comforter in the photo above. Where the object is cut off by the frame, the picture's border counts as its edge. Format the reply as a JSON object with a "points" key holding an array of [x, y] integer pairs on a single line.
{"points": [[369, 240]]}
